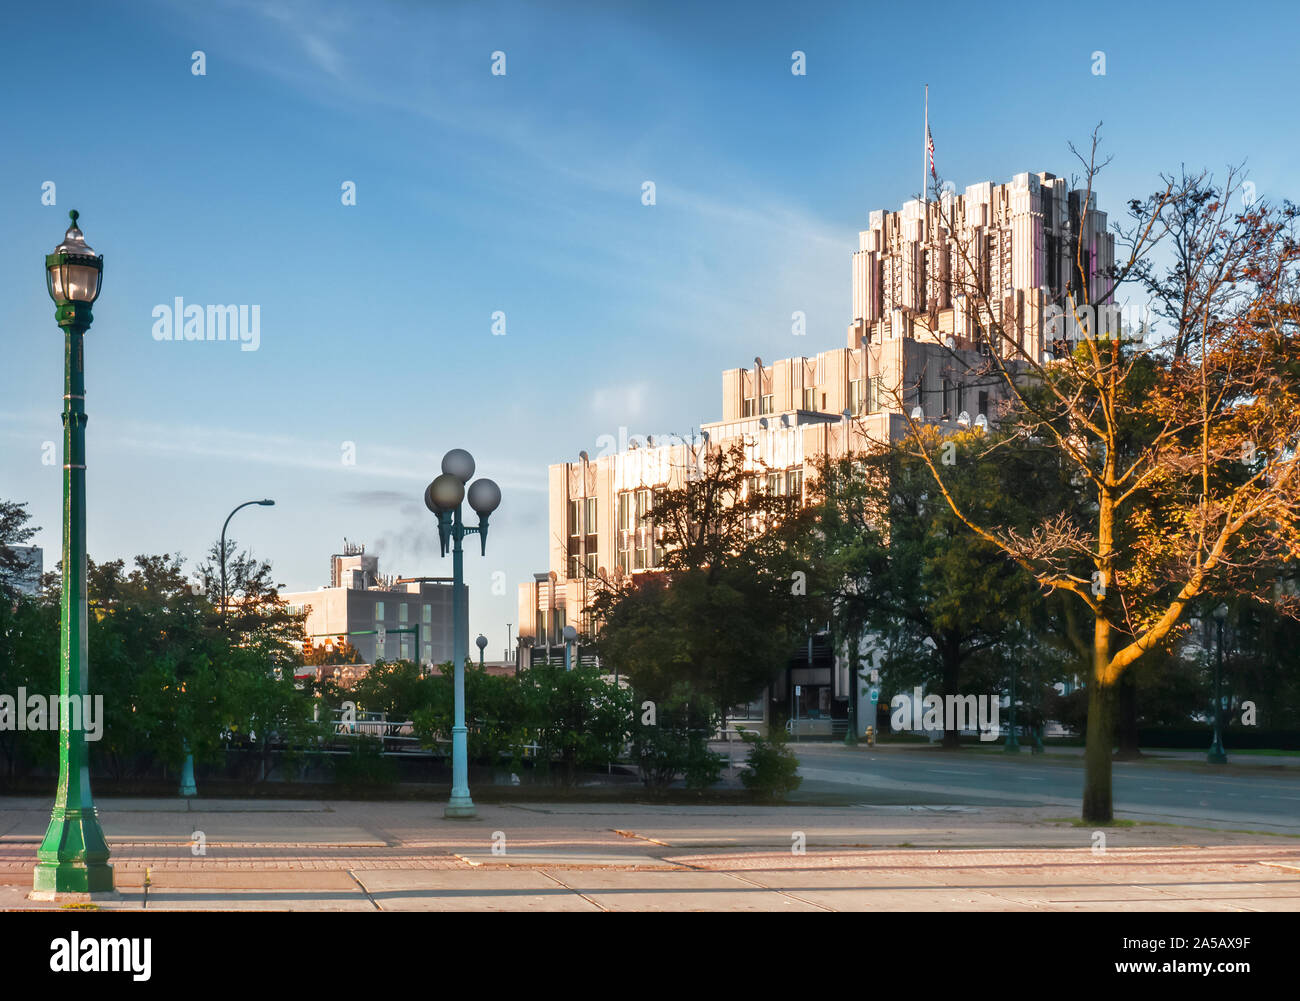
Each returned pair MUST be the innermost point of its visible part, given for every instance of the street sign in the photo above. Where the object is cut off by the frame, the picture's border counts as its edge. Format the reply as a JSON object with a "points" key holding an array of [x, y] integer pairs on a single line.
{"points": [[798, 690], [875, 695], [380, 635]]}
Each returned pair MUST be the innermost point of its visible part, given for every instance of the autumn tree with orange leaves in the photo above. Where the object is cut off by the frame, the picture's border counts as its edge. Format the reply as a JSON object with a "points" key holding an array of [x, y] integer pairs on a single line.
{"points": [[1181, 437]]}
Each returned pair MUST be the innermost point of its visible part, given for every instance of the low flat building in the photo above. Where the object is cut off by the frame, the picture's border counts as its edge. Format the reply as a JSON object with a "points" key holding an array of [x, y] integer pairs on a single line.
{"points": [[385, 618]]}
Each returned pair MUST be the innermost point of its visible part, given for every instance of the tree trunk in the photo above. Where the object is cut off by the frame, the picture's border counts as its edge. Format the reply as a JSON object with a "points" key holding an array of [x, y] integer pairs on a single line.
{"points": [[951, 680], [1127, 717], [1097, 807]]}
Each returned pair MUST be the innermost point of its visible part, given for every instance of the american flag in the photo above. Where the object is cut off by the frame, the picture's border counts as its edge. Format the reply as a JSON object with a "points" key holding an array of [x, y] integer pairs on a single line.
{"points": [[929, 145]]}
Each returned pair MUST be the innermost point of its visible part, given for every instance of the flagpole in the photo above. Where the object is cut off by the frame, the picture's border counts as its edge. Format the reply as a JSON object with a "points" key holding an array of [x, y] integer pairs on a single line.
{"points": [[925, 162]]}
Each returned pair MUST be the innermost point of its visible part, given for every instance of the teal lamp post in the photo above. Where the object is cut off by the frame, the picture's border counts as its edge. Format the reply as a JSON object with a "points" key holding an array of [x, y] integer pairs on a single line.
{"points": [[73, 857], [443, 497], [570, 635], [1012, 744]]}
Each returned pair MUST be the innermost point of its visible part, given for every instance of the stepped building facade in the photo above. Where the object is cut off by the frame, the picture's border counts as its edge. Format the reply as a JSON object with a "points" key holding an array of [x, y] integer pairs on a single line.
{"points": [[930, 283]]}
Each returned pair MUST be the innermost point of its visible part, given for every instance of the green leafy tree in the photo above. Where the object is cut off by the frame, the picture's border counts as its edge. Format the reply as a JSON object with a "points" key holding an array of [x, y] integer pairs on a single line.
{"points": [[892, 561], [14, 531], [578, 719], [724, 611]]}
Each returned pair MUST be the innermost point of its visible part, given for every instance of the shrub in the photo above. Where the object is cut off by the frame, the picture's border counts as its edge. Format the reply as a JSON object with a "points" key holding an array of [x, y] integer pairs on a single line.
{"points": [[771, 771]]}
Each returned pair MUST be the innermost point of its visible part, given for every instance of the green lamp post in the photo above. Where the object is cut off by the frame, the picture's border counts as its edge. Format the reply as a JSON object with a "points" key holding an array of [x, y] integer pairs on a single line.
{"points": [[73, 857], [443, 497]]}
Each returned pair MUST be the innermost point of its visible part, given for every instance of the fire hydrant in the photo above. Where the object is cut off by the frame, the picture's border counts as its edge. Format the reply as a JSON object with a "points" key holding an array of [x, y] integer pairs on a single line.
{"points": [[871, 736]]}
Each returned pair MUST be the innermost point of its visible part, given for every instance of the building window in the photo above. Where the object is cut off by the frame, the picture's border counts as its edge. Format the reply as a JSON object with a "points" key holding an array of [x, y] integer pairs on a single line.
{"points": [[984, 403], [875, 390], [591, 516], [402, 616], [795, 480], [379, 611], [428, 615], [404, 648], [748, 409], [766, 404], [947, 399], [856, 402], [574, 528], [428, 653], [774, 484]]}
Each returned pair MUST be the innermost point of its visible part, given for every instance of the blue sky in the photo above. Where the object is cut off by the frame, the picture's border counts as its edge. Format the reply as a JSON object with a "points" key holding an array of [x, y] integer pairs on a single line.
{"points": [[520, 193]]}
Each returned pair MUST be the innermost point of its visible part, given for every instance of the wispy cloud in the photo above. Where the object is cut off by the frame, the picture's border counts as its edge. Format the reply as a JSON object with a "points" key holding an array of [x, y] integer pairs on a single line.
{"points": [[290, 452]]}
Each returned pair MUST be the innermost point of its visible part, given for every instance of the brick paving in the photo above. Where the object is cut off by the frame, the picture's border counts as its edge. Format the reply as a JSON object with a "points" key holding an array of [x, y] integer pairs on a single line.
{"points": [[382, 856]]}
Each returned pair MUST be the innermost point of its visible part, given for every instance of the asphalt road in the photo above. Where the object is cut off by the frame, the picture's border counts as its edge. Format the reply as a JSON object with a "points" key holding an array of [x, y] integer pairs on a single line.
{"points": [[1243, 797]]}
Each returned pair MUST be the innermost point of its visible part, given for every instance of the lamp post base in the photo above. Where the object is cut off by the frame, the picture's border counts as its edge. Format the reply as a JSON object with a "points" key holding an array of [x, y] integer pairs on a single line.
{"points": [[460, 808], [188, 787], [55, 880], [73, 857], [1217, 755]]}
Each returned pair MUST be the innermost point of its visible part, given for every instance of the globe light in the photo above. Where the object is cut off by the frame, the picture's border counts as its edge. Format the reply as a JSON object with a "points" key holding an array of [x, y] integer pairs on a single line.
{"points": [[484, 497], [459, 464], [570, 634], [982, 422], [918, 414], [444, 493], [963, 419]]}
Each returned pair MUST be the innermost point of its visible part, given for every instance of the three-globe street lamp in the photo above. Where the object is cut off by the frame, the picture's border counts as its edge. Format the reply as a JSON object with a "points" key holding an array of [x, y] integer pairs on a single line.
{"points": [[73, 857], [443, 497], [1217, 755]]}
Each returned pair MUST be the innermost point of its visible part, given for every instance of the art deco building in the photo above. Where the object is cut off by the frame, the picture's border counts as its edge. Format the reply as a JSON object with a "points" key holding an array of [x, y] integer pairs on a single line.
{"points": [[929, 284]]}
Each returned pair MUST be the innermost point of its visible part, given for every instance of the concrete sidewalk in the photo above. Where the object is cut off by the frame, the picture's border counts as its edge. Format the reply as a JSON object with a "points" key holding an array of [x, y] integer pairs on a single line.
{"points": [[310, 855]]}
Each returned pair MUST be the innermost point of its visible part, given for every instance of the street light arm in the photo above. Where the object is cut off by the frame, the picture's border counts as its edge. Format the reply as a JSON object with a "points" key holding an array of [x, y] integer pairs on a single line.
{"points": [[224, 526]]}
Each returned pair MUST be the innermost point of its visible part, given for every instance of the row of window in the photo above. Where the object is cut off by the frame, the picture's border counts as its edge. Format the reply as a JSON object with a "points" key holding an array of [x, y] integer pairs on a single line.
{"points": [[403, 613], [865, 397], [954, 399]]}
